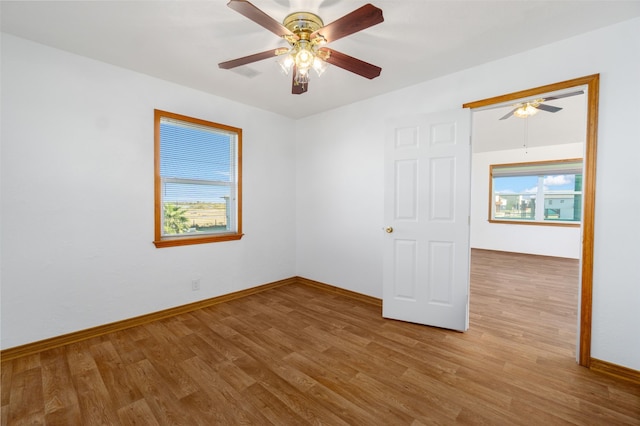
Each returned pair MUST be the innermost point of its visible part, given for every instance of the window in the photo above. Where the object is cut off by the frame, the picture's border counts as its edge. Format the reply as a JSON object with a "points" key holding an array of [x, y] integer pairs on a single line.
{"points": [[548, 192], [198, 185]]}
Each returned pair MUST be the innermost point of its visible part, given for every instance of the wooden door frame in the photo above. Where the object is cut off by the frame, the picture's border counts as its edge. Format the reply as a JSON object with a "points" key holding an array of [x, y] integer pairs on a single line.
{"points": [[588, 191]]}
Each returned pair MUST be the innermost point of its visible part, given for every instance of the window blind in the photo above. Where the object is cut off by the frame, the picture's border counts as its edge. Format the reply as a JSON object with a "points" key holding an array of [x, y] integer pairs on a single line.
{"points": [[197, 163], [569, 167]]}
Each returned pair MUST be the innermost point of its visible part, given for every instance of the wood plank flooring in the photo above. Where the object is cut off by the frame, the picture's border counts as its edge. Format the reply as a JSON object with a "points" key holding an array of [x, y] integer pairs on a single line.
{"points": [[297, 355]]}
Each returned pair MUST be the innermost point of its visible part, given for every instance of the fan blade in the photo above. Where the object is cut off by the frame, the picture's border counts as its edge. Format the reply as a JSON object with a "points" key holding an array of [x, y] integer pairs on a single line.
{"points": [[249, 11], [548, 108], [248, 59], [510, 113], [565, 95], [297, 88], [352, 64], [364, 17]]}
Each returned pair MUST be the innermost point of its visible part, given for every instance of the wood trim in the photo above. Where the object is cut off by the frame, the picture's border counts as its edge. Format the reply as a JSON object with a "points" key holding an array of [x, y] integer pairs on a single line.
{"points": [[348, 293], [490, 205], [597, 365], [184, 240], [580, 81], [522, 222], [157, 186], [537, 163], [589, 208], [618, 371], [54, 342], [65, 339], [588, 191]]}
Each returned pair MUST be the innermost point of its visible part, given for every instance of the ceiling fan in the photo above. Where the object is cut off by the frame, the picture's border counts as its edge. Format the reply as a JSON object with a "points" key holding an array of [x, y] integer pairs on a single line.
{"points": [[306, 34], [529, 108]]}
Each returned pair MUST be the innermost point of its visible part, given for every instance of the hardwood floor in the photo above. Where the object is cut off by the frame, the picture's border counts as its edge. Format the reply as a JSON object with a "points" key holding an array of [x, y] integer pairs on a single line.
{"points": [[297, 355]]}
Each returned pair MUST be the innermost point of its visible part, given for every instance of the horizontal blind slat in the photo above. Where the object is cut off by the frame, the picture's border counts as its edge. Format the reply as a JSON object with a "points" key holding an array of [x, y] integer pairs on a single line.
{"points": [[564, 168]]}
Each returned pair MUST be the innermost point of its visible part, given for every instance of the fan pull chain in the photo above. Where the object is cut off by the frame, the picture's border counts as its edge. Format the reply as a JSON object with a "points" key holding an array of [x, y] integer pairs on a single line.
{"points": [[526, 134]]}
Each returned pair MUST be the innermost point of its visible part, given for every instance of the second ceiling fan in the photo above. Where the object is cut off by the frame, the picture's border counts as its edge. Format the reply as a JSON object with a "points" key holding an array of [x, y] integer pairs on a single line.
{"points": [[529, 108], [307, 35]]}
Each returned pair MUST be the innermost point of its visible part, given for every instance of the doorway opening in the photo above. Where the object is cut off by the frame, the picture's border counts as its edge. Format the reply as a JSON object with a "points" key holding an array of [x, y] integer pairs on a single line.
{"points": [[591, 86]]}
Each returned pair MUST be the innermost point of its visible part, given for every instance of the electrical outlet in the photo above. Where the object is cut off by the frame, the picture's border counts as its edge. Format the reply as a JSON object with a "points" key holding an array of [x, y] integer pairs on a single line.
{"points": [[195, 284]]}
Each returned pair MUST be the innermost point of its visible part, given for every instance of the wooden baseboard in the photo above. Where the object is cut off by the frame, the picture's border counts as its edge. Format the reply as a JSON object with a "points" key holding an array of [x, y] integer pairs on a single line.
{"points": [[615, 370], [66, 339], [54, 342], [348, 293]]}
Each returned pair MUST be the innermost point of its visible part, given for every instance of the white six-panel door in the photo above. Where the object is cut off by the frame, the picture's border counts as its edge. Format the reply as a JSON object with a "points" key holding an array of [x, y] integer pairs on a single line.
{"points": [[426, 242]]}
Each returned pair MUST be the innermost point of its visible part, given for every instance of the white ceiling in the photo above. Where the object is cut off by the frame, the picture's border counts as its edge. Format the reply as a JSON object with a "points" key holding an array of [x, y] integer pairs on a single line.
{"points": [[569, 125], [183, 41]]}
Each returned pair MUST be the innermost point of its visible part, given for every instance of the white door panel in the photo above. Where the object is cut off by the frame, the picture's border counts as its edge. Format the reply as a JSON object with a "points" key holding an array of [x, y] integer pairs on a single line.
{"points": [[427, 191]]}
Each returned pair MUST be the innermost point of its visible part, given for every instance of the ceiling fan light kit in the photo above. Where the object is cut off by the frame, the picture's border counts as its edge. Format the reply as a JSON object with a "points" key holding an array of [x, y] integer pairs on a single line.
{"points": [[306, 35], [529, 108], [303, 54], [526, 110]]}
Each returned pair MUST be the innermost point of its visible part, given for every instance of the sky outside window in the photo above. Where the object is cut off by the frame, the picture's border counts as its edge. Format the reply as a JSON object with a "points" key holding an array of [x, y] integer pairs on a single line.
{"points": [[529, 184]]}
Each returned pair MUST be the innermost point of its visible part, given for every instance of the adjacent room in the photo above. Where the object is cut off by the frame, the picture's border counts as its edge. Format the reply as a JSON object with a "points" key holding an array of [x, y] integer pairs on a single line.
{"points": [[314, 267]]}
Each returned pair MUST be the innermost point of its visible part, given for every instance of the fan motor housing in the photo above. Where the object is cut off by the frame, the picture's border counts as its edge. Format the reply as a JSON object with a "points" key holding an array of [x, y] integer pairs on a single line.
{"points": [[303, 24]]}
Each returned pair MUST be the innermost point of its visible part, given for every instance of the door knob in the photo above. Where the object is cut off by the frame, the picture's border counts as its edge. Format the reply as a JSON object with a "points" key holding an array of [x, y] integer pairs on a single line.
{"points": [[388, 229]]}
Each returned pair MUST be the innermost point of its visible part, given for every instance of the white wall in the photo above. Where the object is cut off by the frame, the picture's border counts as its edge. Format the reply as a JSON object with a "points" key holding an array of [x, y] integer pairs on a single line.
{"points": [[557, 241], [340, 174], [77, 202], [78, 205]]}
